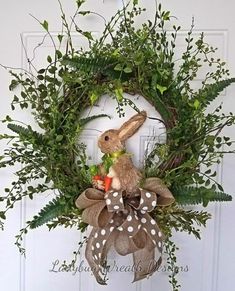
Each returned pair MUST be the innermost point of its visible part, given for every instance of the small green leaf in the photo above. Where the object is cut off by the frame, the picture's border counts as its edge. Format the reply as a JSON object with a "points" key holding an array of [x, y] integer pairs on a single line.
{"points": [[13, 85], [119, 94], [8, 118], [84, 12], [118, 67], [196, 104], [2, 215], [166, 15], [127, 70], [59, 138], [88, 35], [162, 89], [49, 59], [44, 25], [94, 97], [42, 71], [60, 37], [80, 2], [135, 2], [59, 54]]}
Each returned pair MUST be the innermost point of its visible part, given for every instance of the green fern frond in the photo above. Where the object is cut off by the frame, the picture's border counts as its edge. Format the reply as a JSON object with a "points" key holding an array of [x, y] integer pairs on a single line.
{"points": [[84, 121], [26, 133], [211, 91], [102, 65], [193, 195], [90, 65], [55, 208]]}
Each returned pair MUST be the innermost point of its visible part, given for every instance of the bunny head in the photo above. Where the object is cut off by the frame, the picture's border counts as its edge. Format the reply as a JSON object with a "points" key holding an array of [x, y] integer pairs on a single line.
{"points": [[114, 139]]}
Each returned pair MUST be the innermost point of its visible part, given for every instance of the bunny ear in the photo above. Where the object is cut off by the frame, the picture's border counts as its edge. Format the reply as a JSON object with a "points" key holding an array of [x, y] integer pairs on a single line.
{"points": [[132, 125]]}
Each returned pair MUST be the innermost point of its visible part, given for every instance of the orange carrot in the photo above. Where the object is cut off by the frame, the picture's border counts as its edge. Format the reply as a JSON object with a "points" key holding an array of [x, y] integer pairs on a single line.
{"points": [[107, 183]]}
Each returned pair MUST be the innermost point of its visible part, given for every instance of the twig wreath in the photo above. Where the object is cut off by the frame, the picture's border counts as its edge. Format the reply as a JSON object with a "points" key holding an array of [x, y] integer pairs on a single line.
{"points": [[135, 61]]}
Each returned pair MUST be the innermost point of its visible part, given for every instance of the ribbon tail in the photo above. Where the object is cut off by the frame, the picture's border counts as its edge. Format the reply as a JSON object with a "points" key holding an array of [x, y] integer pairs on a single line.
{"points": [[88, 254], [144, 262]]}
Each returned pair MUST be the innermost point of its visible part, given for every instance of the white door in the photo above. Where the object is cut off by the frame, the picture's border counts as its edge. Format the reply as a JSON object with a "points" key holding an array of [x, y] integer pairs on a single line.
{"points": [[206, 265]]}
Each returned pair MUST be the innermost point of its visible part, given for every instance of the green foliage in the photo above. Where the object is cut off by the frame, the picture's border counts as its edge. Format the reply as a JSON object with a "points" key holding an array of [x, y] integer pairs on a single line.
{"points": [[26, 133], [84, 121], [170, 250], [176, 218], [210, 91], [102, 66], [57, 207], [192, 195]]}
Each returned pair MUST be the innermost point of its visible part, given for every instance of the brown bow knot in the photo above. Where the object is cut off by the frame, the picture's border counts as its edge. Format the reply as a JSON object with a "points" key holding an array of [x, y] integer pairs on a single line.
{"points": [[124, 222]]}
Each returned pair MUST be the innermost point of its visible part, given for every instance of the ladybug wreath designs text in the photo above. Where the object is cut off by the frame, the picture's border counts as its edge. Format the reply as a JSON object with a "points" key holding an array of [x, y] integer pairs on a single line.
{"points": [[135, 211]]}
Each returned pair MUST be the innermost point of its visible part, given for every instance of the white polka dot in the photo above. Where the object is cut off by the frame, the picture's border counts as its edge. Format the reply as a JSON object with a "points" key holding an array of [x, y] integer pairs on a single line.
{"points": [[103, 232], [153, 221], [132, 201], [136, 217], [116, 207], [154, 241], [159, 244], [139, 226], [103, 242], [130, 229], [111, 228], [106, 196], [159, 234], [115, 194], [99, 255], [97, 245], [129, 218], [145, 229], [121, 200], [95, 256], [145, 208], [96, 234], [92, 247], [142, 211], [111, 221], [154, 203], [108, 201], [148, 195], [143, 220], [153, 231], [141, 201], [120, 228]]}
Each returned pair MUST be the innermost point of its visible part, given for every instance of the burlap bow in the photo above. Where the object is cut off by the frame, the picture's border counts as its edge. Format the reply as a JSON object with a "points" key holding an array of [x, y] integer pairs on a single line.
{"points": [[122, 220]]}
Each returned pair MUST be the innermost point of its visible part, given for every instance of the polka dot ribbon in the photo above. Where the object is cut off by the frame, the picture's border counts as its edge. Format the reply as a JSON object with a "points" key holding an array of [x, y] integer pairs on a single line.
{"points": [[123, 221]]}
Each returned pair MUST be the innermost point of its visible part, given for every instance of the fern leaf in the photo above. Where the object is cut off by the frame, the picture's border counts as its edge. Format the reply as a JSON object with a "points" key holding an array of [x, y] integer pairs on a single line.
{"points": [[84, 121], [26, 133], [55, 208], [211, 91], [89, 65], [193, 195], [102, 65]]}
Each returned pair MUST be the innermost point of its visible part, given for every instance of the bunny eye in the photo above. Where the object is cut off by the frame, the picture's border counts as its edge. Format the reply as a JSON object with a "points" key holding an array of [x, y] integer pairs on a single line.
{"points": [[106, 138]]}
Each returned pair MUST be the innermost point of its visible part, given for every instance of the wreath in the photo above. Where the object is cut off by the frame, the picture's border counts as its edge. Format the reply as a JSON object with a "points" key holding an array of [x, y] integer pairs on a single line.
{"points": [[125, 59]]}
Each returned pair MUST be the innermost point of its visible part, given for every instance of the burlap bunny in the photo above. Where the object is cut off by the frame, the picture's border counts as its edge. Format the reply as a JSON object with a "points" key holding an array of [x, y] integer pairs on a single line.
{"points": [[120, 168]]}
